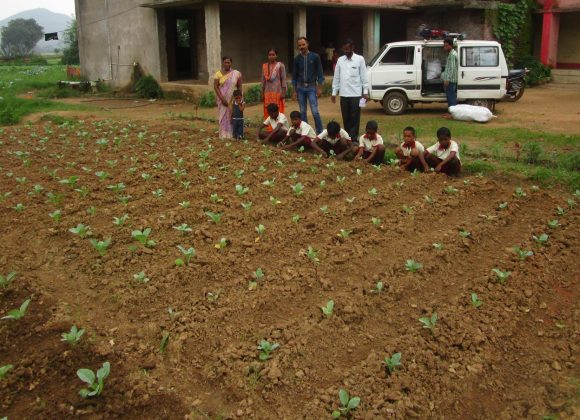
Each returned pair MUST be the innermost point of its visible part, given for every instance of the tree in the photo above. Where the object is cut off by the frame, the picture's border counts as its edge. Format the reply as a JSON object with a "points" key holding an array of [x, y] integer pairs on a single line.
{"points": [[70, 54], [19, 37]]}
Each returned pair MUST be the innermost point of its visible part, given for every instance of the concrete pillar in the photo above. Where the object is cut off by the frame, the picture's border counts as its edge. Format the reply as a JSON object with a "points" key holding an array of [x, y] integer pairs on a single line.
{"points": [[371, 33], [213, 39], [80, 36], [550, 32], [299, 24]]}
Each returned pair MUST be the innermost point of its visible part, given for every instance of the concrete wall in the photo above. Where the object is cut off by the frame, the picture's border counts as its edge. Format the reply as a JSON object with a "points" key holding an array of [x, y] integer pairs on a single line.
{"points": [[249, 30], [569, 44], [472, 22], [115, 34]]}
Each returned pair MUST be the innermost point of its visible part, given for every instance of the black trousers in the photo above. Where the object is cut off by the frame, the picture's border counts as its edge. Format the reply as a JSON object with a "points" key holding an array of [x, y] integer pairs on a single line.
{"points": [[349, 107]]}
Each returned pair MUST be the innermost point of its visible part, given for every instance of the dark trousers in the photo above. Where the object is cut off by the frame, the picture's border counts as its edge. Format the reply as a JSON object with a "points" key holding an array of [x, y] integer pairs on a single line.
{"points": [[238, 128], [451, 93], [349, 107], [377, 159], [451, 168]]}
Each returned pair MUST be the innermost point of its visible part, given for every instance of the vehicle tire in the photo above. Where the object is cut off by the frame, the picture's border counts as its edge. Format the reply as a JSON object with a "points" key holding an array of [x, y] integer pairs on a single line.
{"points": [[395, 103], [488, 103], [516, 97]]}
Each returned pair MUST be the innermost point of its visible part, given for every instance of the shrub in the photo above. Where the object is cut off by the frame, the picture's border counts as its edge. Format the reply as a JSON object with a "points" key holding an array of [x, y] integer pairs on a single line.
{"points": [[289, 90], [208, 100], [538, 71], [532, 152], [254, 94], [147, 87]]}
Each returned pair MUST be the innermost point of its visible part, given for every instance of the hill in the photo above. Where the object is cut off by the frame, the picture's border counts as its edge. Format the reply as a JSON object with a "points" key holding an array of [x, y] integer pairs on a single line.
{"points": [[50, 21]]}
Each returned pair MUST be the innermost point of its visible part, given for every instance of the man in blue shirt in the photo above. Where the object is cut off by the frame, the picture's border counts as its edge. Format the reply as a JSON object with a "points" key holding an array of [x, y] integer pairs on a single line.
{"points": [[307, 79]]}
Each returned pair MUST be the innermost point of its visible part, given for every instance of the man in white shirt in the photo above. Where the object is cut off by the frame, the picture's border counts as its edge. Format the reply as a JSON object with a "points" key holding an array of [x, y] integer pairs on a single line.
{"points": [[276, 126], [350, 82], [443, 156]]}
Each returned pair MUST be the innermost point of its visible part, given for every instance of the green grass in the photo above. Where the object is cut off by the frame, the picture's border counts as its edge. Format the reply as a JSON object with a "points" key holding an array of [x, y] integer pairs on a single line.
{"points": [[21, 79]]}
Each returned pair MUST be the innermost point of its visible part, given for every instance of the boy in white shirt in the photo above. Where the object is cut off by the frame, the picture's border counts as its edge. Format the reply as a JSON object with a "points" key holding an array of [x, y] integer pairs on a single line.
{"points": [[276, 126], [444, 155], [371, 148], [334, 139], [300, 133], [408, 152]]}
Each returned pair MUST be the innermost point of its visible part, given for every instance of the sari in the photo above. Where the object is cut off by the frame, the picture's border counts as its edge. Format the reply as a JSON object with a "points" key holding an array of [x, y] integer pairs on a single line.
{"points": [[273, 83], [227, 83]]}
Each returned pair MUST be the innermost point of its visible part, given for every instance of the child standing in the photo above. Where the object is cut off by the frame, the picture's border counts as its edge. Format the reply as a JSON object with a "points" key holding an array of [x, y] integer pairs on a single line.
{"points": [[300, 133], [238, 106], [334, 139], [371, 148], [444, 155], [275, 127], [409, 151]]}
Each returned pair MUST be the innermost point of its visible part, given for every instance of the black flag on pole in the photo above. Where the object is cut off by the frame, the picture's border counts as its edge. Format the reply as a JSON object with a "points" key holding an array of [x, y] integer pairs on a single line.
{"points": [[51, 36]]}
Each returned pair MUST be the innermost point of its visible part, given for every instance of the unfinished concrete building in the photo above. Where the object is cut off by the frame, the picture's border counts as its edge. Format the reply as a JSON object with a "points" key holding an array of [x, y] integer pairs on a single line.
{"points": [[183, 40]]}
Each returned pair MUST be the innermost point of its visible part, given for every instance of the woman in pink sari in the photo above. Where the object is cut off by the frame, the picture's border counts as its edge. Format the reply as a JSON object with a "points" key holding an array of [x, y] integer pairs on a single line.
{"points": [[273, 82], [225, 82]]}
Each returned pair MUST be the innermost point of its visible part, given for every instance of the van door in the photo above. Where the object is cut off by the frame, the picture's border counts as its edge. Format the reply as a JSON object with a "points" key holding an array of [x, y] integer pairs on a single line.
{"points": [[396, 69], [479, 72]]}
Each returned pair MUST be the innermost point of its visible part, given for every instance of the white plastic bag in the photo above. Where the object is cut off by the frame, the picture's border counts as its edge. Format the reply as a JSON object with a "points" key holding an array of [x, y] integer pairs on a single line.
{"points": [[433, 69], [470, 113]]}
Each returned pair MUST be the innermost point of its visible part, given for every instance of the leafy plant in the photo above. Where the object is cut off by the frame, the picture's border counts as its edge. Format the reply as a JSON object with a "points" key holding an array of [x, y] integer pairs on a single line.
{"points": [[16, 314], [96, 382], [347, 405], [413, 266], [101, 246], [140, 277], [183, 228], [542, 239], [502, 276], [142, 236], [372, 191], [274, 201], [266, 348], [241, 190], [324, 209], [553, 224], [6, 280], [503, 206], [312, 255], [158, 193], [296, 218], [81, 230], [379, 287], [215, 198], [344, 233], [560, 211], [298, 189], [164, 342], [340, 179], [184, 204], [376, 221], [247, 205], [269, 182], [260, 229], [223, 242], [328, 309], [391, 363], [438, 246], [429, 323], [322, 184], [188, 254], [450, 189], [4, 370], [519, 192], [464, 233], [522, 253], [407, 209], [73, 336], [475, 301], [120, 221]]}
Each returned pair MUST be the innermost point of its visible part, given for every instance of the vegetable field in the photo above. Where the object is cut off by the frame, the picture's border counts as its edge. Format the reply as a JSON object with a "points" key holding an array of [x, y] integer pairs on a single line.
{"points": [[154, 271]]}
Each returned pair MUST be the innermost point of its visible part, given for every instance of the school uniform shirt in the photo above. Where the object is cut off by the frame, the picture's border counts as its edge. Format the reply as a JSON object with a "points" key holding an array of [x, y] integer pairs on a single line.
{"points": [[350, 77], [407, 150], [441, 153], [304, 129], [324, 136], [368, 144], [281, 118]]}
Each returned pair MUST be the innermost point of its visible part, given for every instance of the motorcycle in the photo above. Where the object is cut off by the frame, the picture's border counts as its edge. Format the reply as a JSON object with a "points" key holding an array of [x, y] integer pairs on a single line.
{"points": [[516, 84]]}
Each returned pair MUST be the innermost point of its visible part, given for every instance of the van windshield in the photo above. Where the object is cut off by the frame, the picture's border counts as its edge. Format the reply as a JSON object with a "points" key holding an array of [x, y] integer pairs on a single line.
{"points": [[377, 56]]}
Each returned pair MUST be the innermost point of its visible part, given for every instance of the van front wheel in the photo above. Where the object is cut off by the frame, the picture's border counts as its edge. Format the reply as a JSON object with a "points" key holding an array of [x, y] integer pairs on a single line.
{"points": [[395, 103]]}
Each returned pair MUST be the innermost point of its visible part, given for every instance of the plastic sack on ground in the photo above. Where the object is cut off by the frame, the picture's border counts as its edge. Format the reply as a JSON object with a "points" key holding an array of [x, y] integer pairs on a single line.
{"points": [[471, 113]]}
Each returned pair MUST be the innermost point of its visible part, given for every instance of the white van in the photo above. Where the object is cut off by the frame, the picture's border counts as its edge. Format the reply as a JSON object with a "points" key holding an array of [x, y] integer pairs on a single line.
{"points": [[408, 72]]}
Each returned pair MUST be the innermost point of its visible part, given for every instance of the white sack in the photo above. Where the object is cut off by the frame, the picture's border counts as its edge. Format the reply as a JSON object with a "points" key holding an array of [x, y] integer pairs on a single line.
{"points": [[470, 113], [433, 69]]}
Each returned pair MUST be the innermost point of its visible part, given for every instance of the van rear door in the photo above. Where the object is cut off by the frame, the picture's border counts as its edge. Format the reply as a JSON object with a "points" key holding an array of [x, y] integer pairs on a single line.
{"points": [[479, 72]]}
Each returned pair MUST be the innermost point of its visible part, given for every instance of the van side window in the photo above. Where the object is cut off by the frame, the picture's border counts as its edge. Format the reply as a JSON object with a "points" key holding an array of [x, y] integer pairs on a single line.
{"points": [[479, 56], [399, 56]]}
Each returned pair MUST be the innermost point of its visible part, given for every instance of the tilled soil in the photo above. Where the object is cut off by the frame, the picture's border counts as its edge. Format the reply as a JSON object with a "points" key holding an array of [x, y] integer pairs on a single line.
{"points": [[512, 357]]}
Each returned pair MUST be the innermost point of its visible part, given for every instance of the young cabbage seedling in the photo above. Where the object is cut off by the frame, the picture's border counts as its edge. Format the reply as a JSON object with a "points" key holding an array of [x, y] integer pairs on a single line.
{"points": [[214, 217], [324, 209], [269, 182], [376, 221], [140, 277], [450, 189], [429, 323], [344, 233], [502, 276], [503, 206], [4, 370], [312, 255], [142, 236], [322, 184], [215, 198], [73, 336], [187, 253], [293, 176], [184, 204], [438, 246], [379, 287], [158, 193], [101, 246], [298, 189], [96, 382], [92, 210], [413, 266], [274, 201], [347, 405], [553, 224], [223, 242], [6, 280], [519, 192], [407, 209], [183, 228], [17, 314], [391, 363], [523, 254], [464, 233], [259, 274], [247, 205], [241, 190], [475, 301], [164, 342], [120, 221], [560, 211], [296, 218], [542, 239], [260, 229], [350, 200], [55, 216], [266, 348], [340, 179], [372, 191], [328, 309]]}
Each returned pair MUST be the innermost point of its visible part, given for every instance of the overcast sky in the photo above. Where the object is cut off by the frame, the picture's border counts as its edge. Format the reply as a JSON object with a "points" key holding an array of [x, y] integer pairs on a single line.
{"points": [[11, 7]]}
